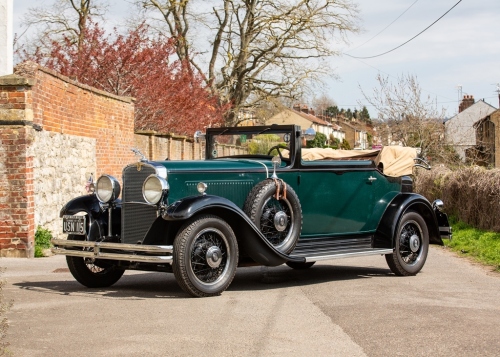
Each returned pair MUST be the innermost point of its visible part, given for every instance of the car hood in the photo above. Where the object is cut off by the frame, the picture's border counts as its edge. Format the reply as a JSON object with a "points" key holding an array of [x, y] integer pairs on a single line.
{"points": [[217, 165]]}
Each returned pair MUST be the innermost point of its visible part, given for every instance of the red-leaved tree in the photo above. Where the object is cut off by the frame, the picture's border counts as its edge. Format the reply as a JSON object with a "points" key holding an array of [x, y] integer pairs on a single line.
{"points": [[170, 96]]}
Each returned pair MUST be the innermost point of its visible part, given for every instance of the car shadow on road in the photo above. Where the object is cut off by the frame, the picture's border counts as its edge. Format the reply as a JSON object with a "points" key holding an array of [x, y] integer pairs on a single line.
{"points": [[139, 286], [264, 278]]}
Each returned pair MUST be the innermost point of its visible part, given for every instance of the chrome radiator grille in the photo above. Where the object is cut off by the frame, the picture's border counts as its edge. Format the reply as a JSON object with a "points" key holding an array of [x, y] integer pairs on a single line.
{"points": [[137, 217]]}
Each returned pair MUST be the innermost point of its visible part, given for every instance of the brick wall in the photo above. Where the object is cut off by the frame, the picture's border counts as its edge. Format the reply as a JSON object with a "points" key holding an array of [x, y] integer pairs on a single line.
{"points": [[54, 132], [36, 101], [157, 146]]}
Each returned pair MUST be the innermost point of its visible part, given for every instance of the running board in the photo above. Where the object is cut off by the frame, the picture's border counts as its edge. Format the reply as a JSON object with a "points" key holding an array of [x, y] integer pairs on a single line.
{"points": [[342, 254]]}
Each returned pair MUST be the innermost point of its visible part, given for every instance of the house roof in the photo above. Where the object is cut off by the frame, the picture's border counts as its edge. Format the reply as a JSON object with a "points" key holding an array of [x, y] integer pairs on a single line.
{"points": [[315, 119], [477, 111], [311, 117]]}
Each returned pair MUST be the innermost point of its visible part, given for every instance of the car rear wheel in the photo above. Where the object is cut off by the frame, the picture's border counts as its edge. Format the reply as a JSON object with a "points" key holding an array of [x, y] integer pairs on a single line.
{"points": [[279, 219], [411, 246], [205, 256], [93, 273]]}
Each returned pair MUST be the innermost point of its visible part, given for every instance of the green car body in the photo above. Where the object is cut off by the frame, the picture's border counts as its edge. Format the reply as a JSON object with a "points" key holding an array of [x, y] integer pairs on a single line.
{"points": [[201, 219]]}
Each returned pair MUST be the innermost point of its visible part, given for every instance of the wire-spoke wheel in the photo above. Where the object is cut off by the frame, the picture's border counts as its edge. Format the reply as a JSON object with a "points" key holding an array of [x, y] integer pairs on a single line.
{"points": [[411, 246], [205, 256], [279, 219], [93, 273]]}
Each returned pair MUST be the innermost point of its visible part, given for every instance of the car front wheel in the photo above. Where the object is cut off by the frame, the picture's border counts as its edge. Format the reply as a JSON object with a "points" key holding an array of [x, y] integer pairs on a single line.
{"points": [[93, 273], [411, 246], [205, 256]]}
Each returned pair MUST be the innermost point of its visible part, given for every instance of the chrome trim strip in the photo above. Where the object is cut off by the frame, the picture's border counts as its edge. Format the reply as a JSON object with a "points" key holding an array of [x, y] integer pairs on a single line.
{"points": [[348, 255]]}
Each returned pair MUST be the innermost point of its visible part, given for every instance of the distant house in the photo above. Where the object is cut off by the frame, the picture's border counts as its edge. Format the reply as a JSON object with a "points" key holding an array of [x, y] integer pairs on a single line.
{"points": [[460, 131], [487, 150], [304, 116], [355, 134]]}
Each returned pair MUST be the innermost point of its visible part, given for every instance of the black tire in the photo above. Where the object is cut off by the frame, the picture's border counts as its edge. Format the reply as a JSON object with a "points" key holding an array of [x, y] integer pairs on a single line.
{"points": [[411, 245], [280, 220], [300, 266], [205, 256], [93, 273]]}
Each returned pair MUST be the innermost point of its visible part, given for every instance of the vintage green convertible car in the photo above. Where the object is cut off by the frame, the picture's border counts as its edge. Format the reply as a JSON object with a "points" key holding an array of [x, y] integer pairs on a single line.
{"points": [[258, 198]]}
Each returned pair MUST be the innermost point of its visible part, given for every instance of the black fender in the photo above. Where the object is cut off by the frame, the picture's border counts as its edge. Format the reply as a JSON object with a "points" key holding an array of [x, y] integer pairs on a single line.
{"points": [[403, 202], [249, 237], [97, 224]]}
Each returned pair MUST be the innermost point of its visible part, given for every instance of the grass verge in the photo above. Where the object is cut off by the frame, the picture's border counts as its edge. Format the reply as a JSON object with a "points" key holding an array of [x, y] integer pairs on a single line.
{"points": [[482, 246]]}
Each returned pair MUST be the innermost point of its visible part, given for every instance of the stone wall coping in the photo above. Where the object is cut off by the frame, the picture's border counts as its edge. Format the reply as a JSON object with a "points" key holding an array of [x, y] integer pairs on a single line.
{"points": [[163, 135], [16, 80]]}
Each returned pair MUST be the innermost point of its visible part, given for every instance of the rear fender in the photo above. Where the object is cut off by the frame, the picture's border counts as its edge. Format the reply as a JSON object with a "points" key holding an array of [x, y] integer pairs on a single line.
{"points": [[402, 203], [250, 240]]}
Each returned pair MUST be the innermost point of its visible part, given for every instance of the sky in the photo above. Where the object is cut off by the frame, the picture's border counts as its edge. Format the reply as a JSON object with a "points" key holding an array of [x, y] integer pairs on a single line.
{"points": [[459, 55]]}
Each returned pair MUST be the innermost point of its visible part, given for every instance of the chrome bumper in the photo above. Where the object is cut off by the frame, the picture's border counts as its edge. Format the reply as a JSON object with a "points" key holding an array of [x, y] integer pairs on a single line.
{"points": [[446, 232], [160, 254]]}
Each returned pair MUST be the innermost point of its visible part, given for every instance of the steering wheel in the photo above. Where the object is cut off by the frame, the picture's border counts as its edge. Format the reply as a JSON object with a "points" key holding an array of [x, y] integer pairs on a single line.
{"points": [[277, 147]]}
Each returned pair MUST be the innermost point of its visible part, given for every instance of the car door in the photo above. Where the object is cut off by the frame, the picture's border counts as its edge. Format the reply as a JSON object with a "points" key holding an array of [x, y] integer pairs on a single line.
{"points": [[343, 197]]}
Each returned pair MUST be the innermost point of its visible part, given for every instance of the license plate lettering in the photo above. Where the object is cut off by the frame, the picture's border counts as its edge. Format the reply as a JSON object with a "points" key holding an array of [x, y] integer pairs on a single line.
{"points": [[74, 225]]}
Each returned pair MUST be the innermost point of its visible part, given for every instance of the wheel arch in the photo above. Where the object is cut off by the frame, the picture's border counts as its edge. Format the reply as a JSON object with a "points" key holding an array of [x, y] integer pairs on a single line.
{"points": [[402, 203], [250, 240], [97, 224]]}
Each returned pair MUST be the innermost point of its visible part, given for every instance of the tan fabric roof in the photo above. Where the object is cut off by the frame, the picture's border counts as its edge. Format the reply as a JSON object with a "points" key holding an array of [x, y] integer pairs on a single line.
{"points": [[332, 154], [397, 160], [392, 160]]}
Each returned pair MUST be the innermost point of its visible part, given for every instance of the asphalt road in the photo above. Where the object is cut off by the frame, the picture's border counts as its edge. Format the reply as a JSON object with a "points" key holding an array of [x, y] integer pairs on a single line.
{"points": [[351, 307]]}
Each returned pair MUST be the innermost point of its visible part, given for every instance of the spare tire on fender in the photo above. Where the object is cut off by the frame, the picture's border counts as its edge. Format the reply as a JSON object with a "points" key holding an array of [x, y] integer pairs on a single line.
{"points": [[274, 208]]}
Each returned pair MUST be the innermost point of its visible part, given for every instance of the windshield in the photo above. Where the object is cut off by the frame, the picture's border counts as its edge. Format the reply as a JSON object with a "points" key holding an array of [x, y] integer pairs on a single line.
{"points": [[248, 142]]}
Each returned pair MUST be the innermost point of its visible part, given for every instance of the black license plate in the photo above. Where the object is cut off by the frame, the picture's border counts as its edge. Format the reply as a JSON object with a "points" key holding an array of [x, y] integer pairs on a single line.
{"points": [[74, 225]]}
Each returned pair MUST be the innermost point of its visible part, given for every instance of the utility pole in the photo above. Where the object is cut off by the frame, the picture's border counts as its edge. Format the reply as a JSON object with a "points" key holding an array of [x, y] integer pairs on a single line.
{"points": [[6, 37], [498, 92]]}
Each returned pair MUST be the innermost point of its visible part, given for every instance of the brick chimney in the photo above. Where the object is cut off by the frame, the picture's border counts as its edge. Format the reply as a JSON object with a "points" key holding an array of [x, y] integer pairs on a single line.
{"points": [[301, 108], [467, 101]]}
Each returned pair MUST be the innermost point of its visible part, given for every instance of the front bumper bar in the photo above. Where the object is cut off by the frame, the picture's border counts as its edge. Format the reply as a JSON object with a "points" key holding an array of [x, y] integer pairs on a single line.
{"points": [[159, 254], [446, 232]]}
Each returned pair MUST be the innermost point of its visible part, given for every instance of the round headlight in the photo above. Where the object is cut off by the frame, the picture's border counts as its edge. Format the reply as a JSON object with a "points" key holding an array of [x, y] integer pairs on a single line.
{"points": [[107, 189], [154, 188]]}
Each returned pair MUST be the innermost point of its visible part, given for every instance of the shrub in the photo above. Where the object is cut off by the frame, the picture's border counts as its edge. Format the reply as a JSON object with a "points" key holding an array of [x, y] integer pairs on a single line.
{"points": [[472, 194], [319, 141], [42, 241], [261, 144]]}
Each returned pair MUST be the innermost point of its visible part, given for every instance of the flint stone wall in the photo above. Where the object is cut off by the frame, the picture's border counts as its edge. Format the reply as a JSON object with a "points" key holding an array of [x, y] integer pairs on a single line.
{"points": [[61, 165]]}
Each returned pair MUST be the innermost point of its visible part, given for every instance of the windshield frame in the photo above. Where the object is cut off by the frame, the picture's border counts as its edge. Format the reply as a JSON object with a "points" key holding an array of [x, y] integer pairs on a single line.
{"points": [[294, 144]]}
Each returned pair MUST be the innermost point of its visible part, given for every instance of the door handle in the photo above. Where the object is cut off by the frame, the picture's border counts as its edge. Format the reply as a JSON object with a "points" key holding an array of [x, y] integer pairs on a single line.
{"points": [[371, 179]]}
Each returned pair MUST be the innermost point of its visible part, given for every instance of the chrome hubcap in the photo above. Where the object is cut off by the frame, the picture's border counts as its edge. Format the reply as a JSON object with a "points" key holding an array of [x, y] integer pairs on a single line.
{"points": [[414, 243], [214, 256], [280, 221]]}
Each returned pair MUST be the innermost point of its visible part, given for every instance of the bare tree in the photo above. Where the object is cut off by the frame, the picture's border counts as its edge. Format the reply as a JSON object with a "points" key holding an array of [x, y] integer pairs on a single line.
{"points": [[406, 118], [64, 18], [322, 103], [259, 49]]}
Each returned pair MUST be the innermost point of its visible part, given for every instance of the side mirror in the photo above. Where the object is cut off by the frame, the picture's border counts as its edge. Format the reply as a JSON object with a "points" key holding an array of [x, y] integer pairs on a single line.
{"points": [[309, 134], [199, 136]]}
